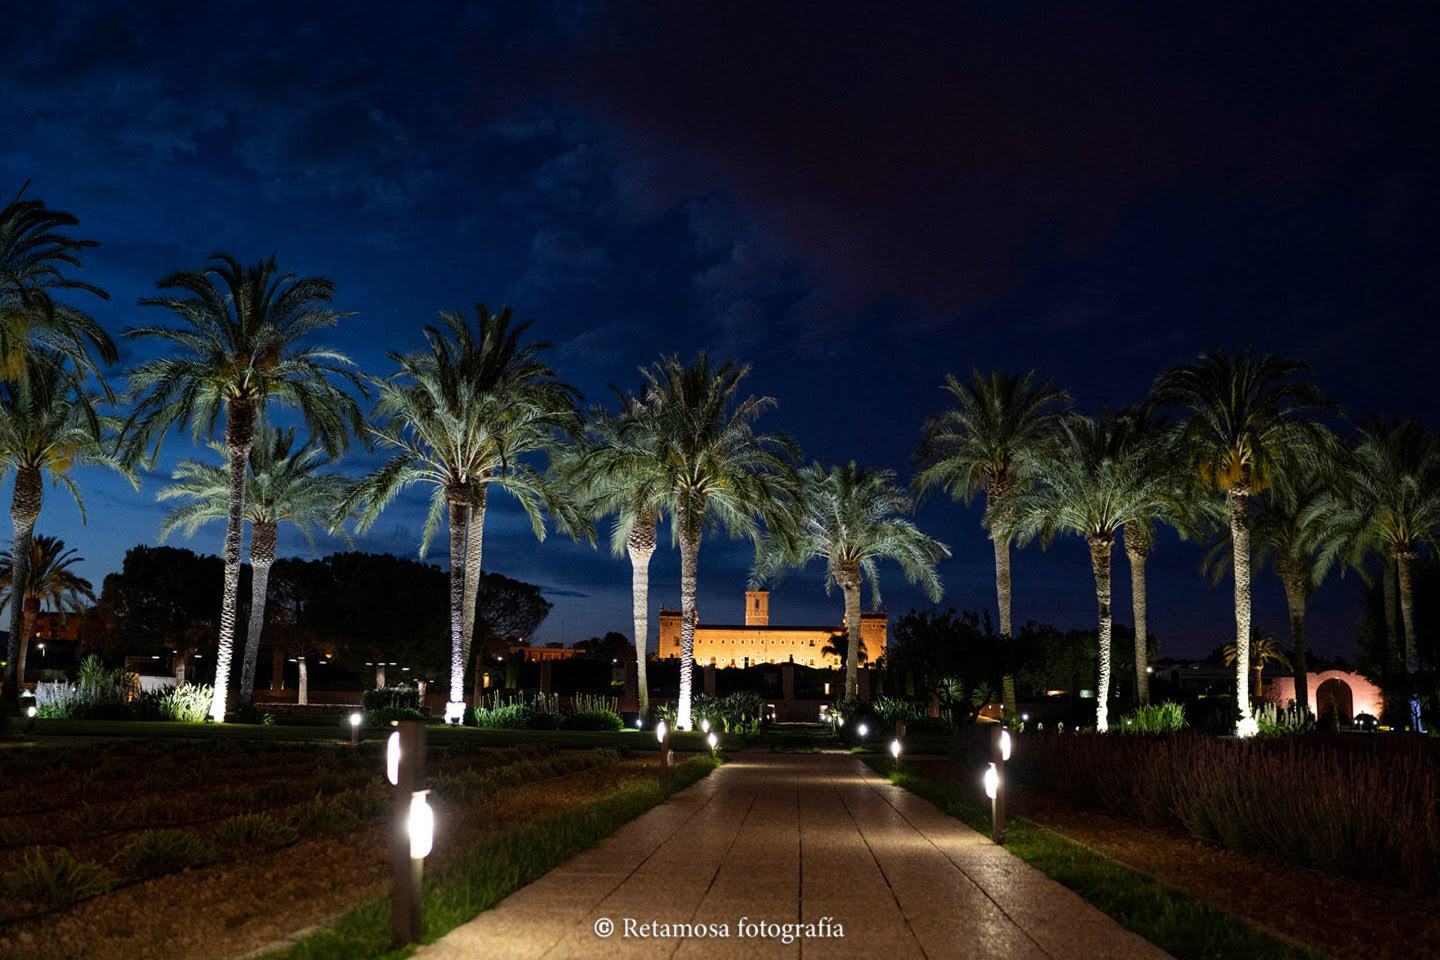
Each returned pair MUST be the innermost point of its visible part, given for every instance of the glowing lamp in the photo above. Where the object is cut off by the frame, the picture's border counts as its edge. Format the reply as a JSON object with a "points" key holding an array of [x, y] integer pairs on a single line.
{"points": [[705, 726], [454, 712], [392, 759], [895, 748], [422, 825], [1005, 745], [639, 723], [862, 730], [714, 742], [30, 711], [355, 719], [992, 781], [660, 731]]}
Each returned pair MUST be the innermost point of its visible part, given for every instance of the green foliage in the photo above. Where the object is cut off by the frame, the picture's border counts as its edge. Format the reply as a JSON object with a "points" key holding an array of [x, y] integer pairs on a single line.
{"points": [[253, 831], [485, 782], [185, 702], [157, 852], [1166, 717], [515, 715], [58, 881], [399, 697], [1274, 719], [319, 817], [592, 720], [99, 693], [891, 709]]}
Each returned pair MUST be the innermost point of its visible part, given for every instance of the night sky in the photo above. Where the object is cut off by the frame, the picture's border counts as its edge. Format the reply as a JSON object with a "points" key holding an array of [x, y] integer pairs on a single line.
{"points": [[856, 198]]}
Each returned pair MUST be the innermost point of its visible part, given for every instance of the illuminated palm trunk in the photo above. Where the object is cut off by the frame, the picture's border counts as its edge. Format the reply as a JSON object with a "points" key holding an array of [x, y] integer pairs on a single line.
{"points": [[262, 557], [1240, 556], [302, 691], [32, 610], [641, 546], [24, 511], [848, 576], [239, 435], [1404, 557], [1137, 550], [689, 562], [459, 515], [474, 537], [1002, 596], [1100, 563]]}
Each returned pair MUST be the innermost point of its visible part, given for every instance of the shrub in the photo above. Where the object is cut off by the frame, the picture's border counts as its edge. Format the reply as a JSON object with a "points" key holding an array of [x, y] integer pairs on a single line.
{"points": [[258, 831], [158, 852], [593, 720], [545, 721], [57, 882], [319, 818], [1166, 717], [1272, 718], [891, 709], [184, 702], [1365, 806], [504, 716], [400, 697]]}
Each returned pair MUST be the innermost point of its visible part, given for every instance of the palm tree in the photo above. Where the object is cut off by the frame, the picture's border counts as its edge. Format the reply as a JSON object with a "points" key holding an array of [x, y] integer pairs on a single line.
{"points": [[852, 518], [620, 471], [717, 471], [838, 646], [1092, 482], [1263, 649], [284, 486], [50, 581], [986, 444], [1292, 526], [35, 250], [48, 424], [1390, 505], [240, 345], [1246, 417], [458, 428]]}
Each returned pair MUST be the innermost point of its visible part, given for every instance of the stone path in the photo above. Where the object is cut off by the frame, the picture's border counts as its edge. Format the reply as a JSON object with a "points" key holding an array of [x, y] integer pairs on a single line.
{"points": [[792, 839]]}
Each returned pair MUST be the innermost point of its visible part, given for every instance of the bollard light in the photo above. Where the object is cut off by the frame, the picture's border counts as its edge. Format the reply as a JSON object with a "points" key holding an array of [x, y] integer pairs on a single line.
{"points": [[422, 825], [895, 748], [639, 723], [862, 730], [454, 712], [705, 725], [1005, 745], [660, 731], [355, 719], [392, 759], [714, 742], [992, 781], [30, 711]]}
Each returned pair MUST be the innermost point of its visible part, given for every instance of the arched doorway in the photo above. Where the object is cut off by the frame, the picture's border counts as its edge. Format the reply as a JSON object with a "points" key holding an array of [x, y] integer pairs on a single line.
{"points": [[1334, 696]]}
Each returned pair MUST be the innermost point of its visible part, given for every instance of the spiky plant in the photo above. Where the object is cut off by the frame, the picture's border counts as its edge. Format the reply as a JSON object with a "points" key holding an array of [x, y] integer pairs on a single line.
{"points": [[241, 344], [852, 519], [999, 424], [35, 252], [48, 424], [458, 417], [717, 471], [285, 485], [1244, 417], [1091, 483], [49, 583]]}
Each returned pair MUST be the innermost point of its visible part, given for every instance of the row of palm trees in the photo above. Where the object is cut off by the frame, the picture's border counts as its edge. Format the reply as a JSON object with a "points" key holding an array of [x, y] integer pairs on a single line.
{"points": [[1242, 450]]}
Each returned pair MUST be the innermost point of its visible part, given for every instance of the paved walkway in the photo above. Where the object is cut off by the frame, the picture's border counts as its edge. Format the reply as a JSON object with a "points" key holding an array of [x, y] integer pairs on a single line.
{"points": [[792, 839]]}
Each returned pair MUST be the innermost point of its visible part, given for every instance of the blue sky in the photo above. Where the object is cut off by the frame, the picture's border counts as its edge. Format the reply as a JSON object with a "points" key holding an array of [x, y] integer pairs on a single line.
{"points": [[854, 199]]}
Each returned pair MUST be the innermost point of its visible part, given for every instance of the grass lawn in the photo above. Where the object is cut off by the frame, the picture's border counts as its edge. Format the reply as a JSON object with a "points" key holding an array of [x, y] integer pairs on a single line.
{"points": [[1186, 927]]}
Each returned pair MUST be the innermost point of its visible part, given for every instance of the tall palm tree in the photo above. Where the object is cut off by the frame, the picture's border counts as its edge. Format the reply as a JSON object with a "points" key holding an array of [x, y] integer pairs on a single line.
{"points": [[35, 250], [459, 432], [1246, 416], [1390, 505], [241, 344], [718, 471], [48, 424], [1091, 483], [285, 485], [1291, 526], [50, 582], [851, 519], [620, 471], [986, 444]]}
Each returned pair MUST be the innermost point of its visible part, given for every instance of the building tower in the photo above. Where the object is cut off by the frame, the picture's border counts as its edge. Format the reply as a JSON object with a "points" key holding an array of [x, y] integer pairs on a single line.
{"points": [[757, 608]]}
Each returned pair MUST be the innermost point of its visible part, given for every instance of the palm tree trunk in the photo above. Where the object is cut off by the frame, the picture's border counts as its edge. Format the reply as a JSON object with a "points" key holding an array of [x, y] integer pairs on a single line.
{"points": [[239, 435], [689, 562], [459, 517], [1240, 555], [24, 511], [262, 556], [1100, 563], [848, 576], [1294, 581], [32, 610], [1002, 596], [641, 546], [1137, 549], [302, 692], [1404, 556], [1393, 653], [474, 535]]}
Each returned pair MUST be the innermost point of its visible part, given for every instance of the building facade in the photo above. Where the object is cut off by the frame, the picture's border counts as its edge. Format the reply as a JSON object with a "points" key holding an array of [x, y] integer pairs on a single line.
{"points": [[759, 641]]}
